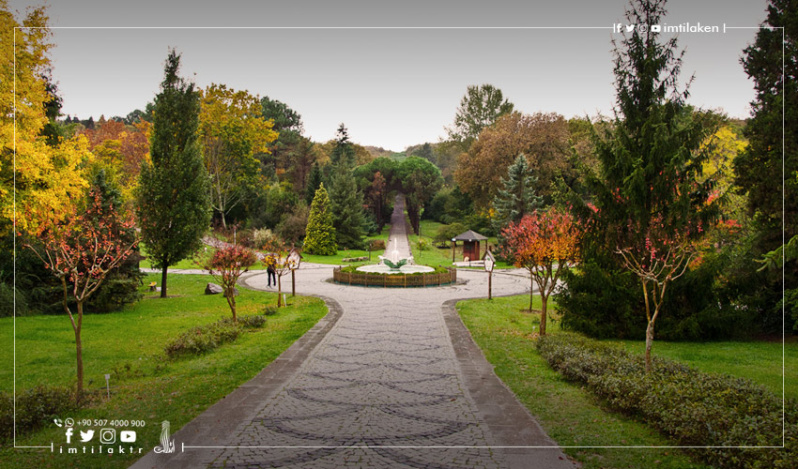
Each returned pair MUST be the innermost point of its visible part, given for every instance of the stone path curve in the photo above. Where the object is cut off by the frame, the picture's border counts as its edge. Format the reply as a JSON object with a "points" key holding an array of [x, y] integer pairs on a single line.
{"points": [[390, 379]]}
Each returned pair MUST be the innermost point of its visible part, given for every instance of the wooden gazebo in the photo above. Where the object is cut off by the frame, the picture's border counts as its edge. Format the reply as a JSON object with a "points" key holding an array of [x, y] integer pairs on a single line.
{"points": [[470, 241]]}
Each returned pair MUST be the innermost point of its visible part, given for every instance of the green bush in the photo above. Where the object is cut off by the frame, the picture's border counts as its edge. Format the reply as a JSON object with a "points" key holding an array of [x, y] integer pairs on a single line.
{"points": [[35, 408], [422, 244], [201, 339], [694, 408], [251, 322], [269, 310]]}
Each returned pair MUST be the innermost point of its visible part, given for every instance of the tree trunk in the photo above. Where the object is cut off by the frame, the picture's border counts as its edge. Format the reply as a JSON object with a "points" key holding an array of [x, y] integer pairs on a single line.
{"points": [[79, 352], [649, 343], [231, 300], [531, 290], [163, 280], [279, 291], [544, 303]]}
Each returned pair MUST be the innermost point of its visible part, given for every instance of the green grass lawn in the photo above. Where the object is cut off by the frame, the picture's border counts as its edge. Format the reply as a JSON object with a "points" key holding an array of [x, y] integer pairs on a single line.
{"points": [[348, 253], [144, 384], [572, 416]]}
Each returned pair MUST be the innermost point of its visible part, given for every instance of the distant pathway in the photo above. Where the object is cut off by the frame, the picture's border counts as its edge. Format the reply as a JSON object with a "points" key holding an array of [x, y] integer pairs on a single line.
{"points": [[394, 382]]}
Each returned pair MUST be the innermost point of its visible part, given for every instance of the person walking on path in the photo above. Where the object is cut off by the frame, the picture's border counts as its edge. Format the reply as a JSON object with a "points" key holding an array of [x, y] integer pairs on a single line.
{"points": [[270, 270]]}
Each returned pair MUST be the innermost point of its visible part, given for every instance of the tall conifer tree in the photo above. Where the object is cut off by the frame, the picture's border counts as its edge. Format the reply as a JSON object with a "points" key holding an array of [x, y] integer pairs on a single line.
{"points": [[346, 203], [173, 197], [320, 233], [518, 196]]}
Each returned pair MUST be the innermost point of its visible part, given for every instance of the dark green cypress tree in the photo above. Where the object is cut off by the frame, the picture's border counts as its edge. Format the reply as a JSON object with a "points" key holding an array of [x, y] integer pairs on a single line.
{"points": [[346, 203], [320, 232], [121, 285], [767, 171], [173, 197], [518, 196], [314, 181], [344, 152], [650, 158]]}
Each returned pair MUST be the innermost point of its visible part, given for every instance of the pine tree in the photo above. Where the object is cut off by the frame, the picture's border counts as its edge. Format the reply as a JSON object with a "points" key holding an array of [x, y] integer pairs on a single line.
{"points": [[314, 181], [518, 196], [346, 203], [647, 199], [173, 197], [320, 232], [344, 152]]}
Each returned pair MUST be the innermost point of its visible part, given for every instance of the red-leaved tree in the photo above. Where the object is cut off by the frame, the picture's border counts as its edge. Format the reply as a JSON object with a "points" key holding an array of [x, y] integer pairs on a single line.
{"points": [[661, 256], [544, 243], [81, 251], [278, 259], [227, 265]]}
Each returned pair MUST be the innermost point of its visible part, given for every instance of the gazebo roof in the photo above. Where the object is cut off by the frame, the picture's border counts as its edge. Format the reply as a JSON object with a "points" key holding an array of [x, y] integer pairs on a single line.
{"points": [[470, 235]]}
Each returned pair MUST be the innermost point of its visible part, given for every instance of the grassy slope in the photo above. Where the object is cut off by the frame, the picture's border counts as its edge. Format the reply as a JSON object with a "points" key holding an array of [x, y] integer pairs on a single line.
{"points": [[129, 346], [574, 417]]}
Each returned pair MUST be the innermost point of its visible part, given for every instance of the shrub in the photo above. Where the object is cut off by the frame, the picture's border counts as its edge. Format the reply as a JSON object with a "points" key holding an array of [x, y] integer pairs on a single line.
{"points": [[252, 321], [694, 408], [201, 339], [35, 408], [377, 244], [422, 244], [269, 310], [264, 239]]}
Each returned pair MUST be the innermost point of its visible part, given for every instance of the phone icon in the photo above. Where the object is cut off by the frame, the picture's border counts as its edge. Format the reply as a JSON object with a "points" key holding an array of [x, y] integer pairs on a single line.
{"points": [[58, 422]]}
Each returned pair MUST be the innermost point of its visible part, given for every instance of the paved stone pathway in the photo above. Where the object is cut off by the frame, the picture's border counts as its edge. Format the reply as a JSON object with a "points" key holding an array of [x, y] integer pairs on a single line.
{"points": [[381, 387]]}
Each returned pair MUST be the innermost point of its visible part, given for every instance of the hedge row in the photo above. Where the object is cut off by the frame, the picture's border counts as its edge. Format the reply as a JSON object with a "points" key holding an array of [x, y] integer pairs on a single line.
{"points": [[693, 408], [35, 408], [202, 339]]}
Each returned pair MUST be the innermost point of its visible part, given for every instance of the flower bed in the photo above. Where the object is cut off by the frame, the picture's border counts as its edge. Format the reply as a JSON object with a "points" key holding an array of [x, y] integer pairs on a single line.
{"points": [[350, 276]]}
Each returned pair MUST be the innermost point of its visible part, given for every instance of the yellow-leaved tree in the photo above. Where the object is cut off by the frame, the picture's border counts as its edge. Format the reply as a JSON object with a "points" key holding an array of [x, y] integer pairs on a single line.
{"points": [[232, 131], [45, 179]]}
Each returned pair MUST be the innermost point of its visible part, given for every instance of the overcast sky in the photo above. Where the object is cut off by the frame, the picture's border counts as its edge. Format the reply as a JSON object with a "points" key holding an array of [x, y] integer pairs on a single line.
{"points": [[391, 87]]}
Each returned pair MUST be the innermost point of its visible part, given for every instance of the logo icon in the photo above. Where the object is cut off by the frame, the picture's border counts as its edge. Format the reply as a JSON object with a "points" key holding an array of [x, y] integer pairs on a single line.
{"points": [[630, 28], [86, 436], [127, 436], [69, 435], [167, 445], [656, 28], [69, 422], [108, 436], [58, 422]]}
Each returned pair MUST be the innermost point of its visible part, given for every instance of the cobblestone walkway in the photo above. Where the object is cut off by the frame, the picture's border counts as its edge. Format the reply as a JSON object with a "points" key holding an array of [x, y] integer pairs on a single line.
{"points": [[383, 388]]}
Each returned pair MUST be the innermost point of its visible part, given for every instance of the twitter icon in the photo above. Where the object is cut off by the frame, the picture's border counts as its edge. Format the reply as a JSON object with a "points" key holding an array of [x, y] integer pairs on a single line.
{"points": [[86, 436]]}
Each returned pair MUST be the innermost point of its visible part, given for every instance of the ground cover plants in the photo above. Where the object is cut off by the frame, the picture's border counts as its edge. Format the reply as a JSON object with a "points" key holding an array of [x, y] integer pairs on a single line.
{"points": [[574, 416]]}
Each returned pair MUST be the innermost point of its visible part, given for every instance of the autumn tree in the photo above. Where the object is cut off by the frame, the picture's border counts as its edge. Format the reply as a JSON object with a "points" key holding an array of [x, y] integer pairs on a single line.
{"points": [[227, 265], [542, 138], [81, 252], [320, 232], [232, 130], [44, 179], [173, 196], [480, 107], [543, 243], [121, 150]]}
